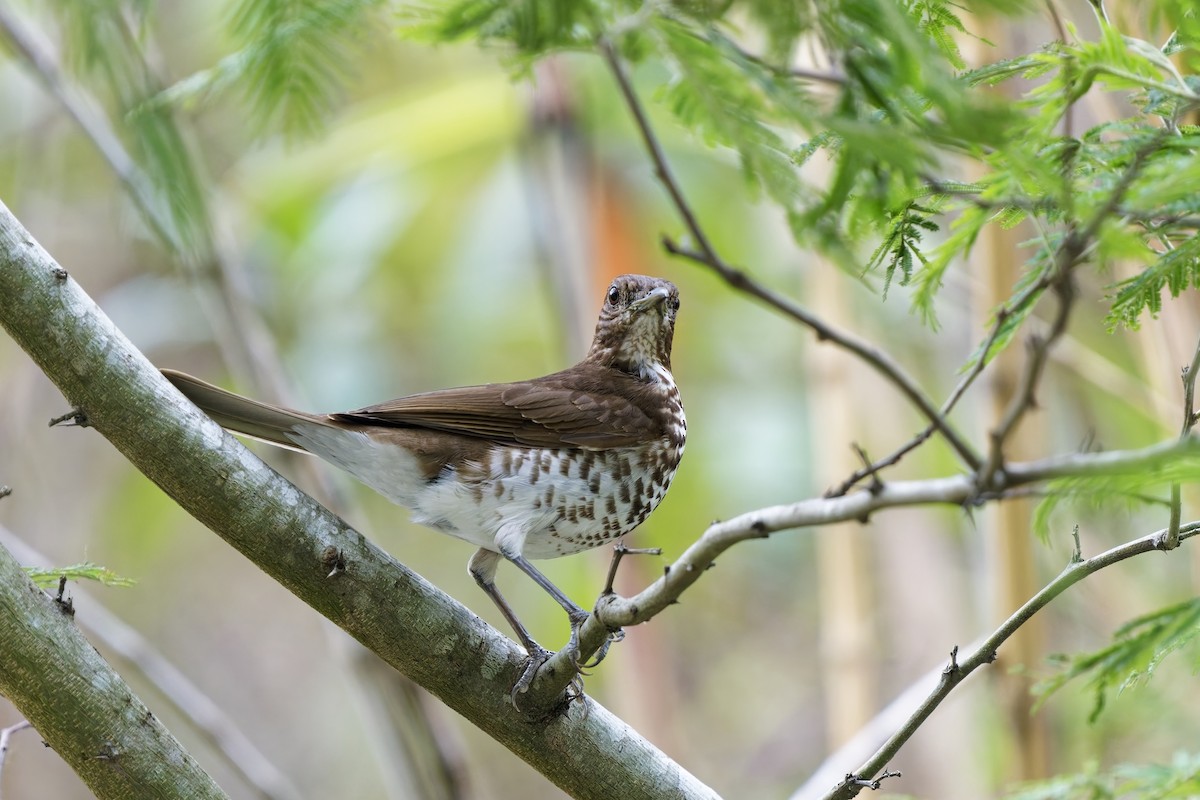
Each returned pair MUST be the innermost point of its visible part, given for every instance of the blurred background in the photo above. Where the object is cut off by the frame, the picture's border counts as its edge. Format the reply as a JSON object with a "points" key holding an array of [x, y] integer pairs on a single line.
{"points": [[451, 225]]}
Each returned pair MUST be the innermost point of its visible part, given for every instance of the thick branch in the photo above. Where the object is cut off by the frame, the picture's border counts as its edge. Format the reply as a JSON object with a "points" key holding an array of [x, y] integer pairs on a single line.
{"points": [[80, 706], [412, 625], [117, 638]]}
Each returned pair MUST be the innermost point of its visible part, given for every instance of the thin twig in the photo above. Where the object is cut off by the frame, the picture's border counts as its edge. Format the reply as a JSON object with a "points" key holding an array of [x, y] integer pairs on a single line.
{"points": [[706, 255], [5, 737], [875, 357], [1171, 541], [959, 669], [867, 739], [1075, 246], [959, 390]]}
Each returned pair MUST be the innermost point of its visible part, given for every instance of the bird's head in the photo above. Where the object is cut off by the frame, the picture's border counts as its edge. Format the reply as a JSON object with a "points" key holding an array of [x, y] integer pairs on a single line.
{"points": [[637, 325]]}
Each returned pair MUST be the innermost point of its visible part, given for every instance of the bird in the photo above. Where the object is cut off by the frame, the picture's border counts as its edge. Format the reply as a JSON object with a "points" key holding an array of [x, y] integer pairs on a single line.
{"points": [[527, 470]]}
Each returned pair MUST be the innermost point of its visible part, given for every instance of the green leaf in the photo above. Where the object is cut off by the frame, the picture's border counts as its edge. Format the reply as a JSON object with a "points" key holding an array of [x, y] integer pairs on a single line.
{"points": [[86, 570], [294, 56], [1178, 779], [1138, 647], [1175, 271]]}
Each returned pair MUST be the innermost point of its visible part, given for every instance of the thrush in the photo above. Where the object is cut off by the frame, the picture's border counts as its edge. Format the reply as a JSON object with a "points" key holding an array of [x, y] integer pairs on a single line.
{"points": [[532, 469]]}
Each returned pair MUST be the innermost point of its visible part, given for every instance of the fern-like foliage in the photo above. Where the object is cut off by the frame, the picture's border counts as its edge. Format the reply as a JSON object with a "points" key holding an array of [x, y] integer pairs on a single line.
{"points": [[1178, 779], [293, 59], [1138, 647], [896, 100], [106, 46], [86, 570], [901, 245]]}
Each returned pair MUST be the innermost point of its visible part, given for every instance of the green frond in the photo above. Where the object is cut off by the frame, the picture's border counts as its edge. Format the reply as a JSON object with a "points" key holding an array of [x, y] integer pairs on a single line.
{"points": [[1138, 647], [532, 27], [1175, 271], [47, 577], [109, 54], [1178, 779], [294, 57], [730, 101], [902, 242]]}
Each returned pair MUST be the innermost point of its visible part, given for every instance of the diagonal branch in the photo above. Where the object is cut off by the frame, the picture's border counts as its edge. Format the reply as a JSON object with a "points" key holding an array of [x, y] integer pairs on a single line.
{"points": [[957, 671], [203, 714], [706, 255], [413, 626], [955, 395]]}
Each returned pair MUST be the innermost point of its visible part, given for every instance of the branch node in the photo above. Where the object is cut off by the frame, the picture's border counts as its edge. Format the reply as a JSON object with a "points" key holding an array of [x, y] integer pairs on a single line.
{"points": [[866, 783], [620, 550], [952, 667], [5, 491], [334, 560], [1077, 553], [59, 273]]}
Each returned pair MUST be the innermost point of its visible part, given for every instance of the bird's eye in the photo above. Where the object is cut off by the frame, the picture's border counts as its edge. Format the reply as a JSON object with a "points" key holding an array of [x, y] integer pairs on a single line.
{"points": [[614, 295]]}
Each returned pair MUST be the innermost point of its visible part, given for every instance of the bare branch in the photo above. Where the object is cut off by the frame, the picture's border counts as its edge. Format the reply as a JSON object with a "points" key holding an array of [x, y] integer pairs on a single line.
{"points": [[6, 738], [958, 670], [1171, 541], [868, 739], [1075, 245], [959, 390], [614, 611]]}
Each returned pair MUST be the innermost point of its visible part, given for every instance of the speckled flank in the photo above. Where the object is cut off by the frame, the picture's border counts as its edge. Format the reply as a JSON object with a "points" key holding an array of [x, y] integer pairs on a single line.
{"points": [[563, 500]]}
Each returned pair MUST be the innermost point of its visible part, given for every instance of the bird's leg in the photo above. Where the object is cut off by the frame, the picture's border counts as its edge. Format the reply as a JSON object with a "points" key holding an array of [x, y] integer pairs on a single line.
{"points": [[575, 614], [482, 567]]}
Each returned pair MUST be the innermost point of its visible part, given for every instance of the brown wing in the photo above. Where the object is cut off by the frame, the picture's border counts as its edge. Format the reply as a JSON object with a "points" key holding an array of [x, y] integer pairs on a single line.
{"points": [[585, 406]]}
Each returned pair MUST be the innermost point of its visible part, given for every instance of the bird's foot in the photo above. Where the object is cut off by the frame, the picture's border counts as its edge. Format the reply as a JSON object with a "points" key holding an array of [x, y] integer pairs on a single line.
{"points": [[572, 648], [538, 655], [613, 636]]}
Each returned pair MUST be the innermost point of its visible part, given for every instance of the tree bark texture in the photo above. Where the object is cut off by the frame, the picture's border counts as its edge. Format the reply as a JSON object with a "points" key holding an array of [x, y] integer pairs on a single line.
{"points": [[411, 624]]}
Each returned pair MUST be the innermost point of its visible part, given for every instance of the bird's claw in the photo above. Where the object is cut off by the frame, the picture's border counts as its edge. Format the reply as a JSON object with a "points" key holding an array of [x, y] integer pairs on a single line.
{"points": [[537, 656], [572, 648], [613, 636]]}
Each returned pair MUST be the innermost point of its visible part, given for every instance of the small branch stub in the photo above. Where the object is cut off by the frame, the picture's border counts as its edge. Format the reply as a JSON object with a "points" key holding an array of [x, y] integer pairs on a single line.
{"points": [[620, 550], [76, 417], [65, 604], [952, 667], [333, 560], [873, 785]]}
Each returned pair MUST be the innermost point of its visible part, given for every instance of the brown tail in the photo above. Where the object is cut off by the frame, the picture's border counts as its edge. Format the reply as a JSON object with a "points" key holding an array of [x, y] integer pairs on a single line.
{"points": [[271, 424]]}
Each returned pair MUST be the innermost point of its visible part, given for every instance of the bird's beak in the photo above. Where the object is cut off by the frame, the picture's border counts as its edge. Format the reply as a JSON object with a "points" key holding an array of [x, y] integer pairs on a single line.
{"points": [[657, 296]]}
